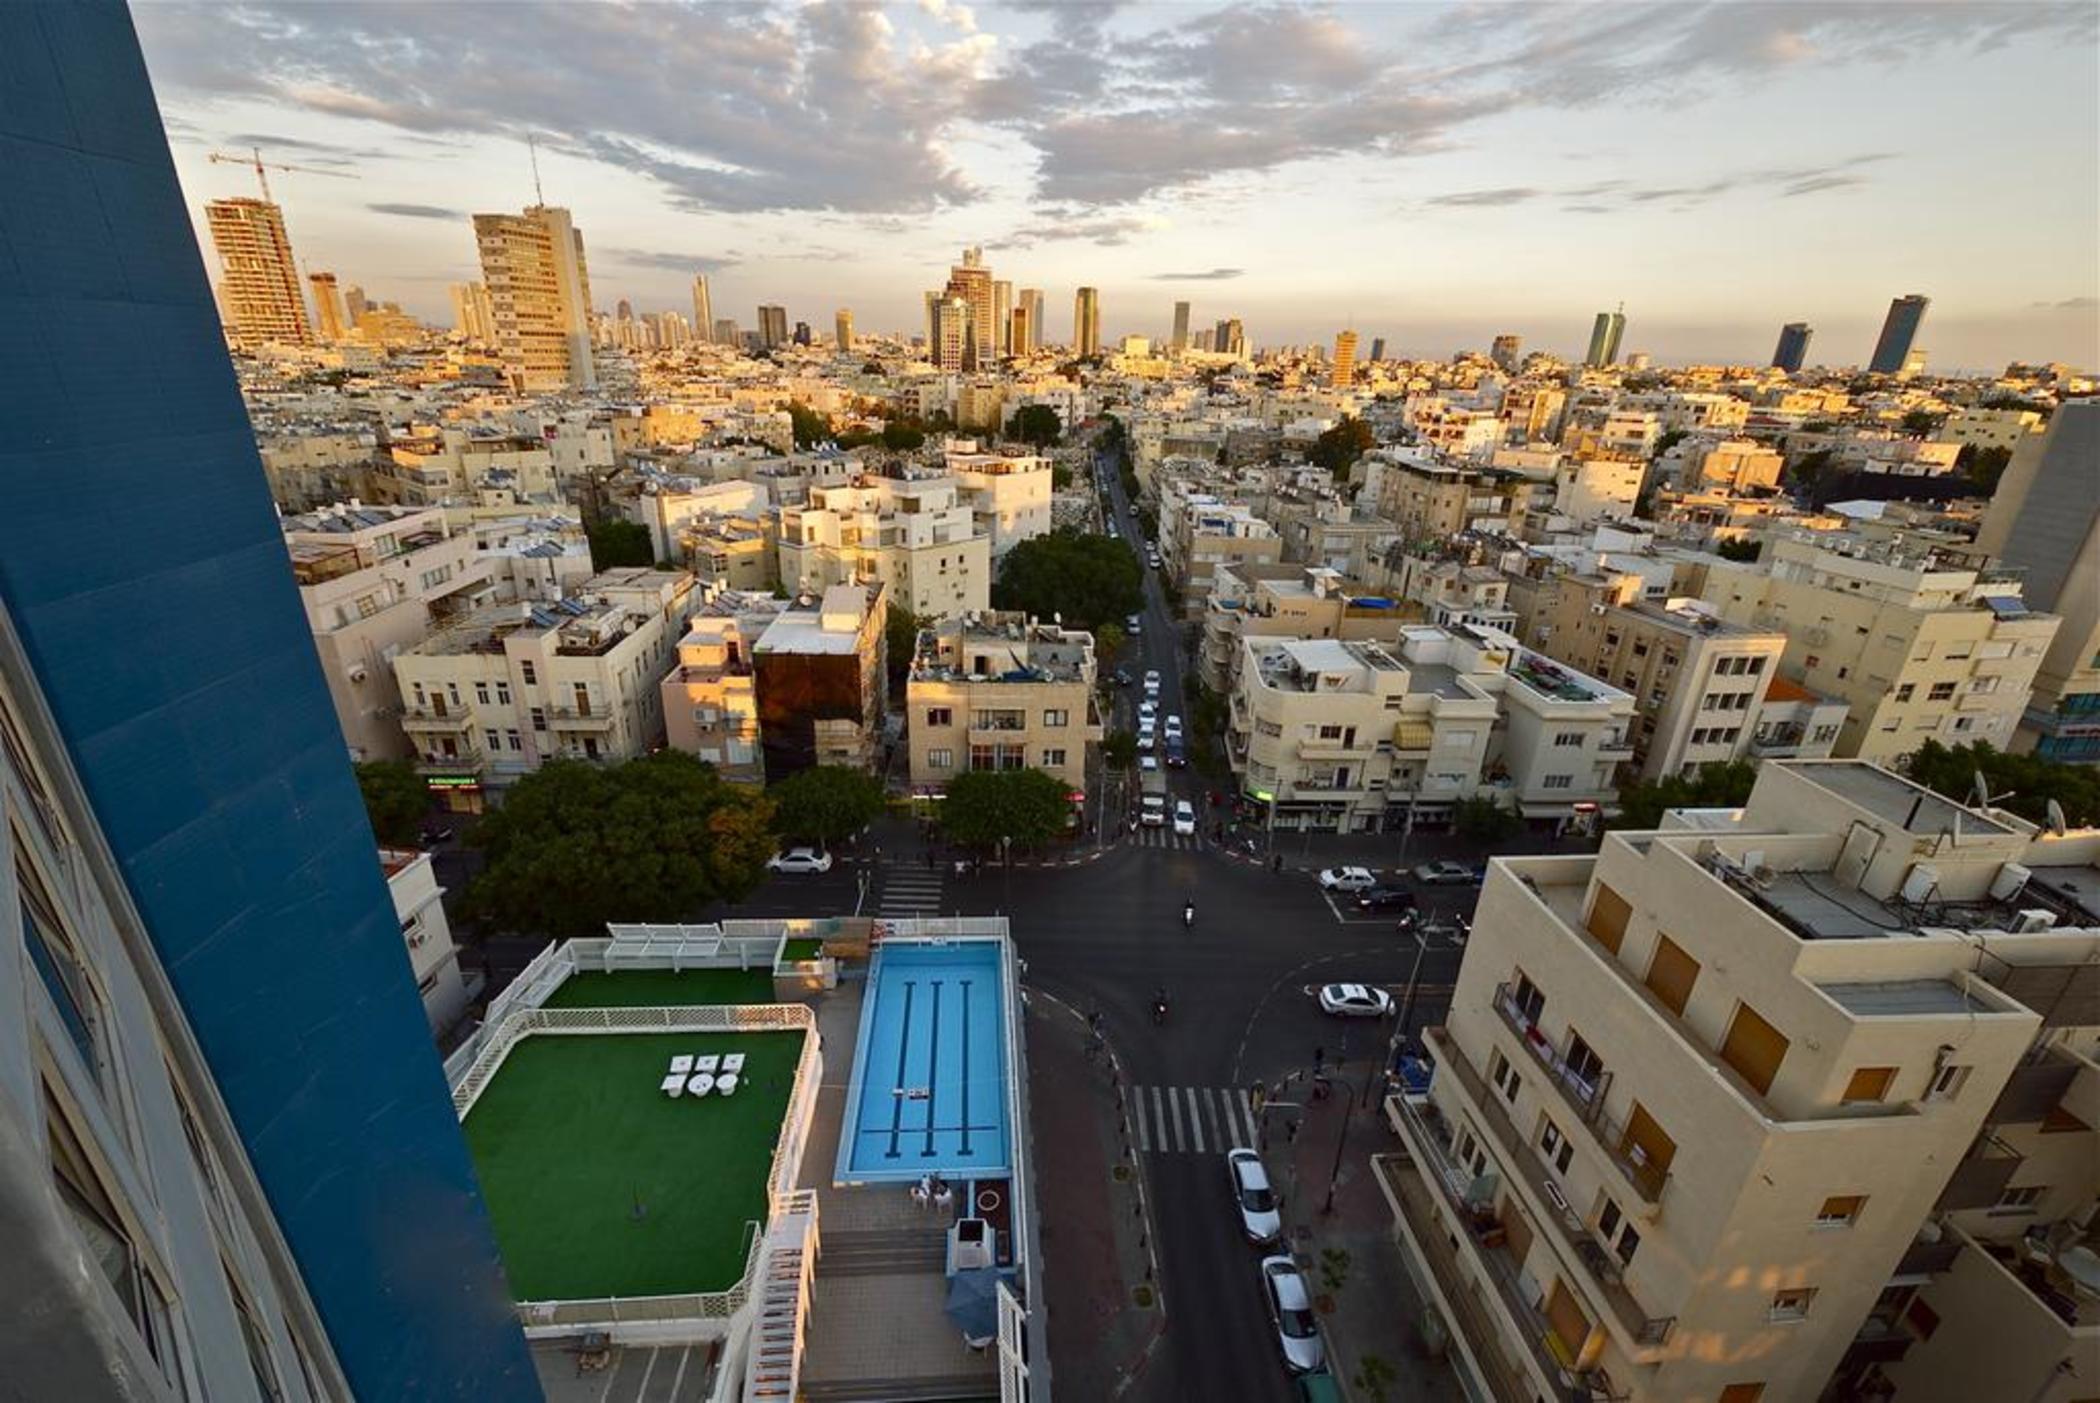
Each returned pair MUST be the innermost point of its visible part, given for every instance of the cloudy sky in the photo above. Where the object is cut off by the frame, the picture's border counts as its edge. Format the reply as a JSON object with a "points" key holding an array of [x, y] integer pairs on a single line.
{"points": [[1432, 174]]}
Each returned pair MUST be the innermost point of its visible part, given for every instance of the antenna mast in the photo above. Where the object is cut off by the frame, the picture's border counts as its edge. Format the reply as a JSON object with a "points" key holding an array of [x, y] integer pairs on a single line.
{"points": [[532, 145]]}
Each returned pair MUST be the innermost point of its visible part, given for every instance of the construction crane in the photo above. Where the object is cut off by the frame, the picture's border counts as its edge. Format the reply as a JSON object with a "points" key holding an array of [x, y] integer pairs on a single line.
{"points": [[255, 162]]}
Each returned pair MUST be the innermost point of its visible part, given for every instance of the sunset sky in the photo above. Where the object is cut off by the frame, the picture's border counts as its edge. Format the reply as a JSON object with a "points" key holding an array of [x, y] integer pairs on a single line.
{"points": [[1430, 174]]}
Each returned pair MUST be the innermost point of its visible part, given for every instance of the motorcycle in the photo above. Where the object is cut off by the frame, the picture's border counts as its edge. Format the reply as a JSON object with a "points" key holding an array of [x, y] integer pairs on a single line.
{"points": [[1159, 1008], [1188, 916]]}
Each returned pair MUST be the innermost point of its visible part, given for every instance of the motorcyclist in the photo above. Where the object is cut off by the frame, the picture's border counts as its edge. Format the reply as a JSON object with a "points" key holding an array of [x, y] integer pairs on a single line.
{"points": [[1188, 912], [1159, 1004]]}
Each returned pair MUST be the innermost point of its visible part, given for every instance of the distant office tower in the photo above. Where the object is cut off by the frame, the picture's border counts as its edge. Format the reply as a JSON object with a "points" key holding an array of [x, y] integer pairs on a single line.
{"points": [[845, 329], [473, 315], [1002, 317], [948, 331], [232, 1168], [1205, 339], [1793, 346], [802, 334], [1604, 339], [1230, 339], [1086, 322], [1906, 315], [1377, 349], [328, 306], [726, 332], [971, 281], [1020, 331], [1344, 360], [1181, 327], [540, 292], [1032, 304], [772, 326], [626, 310], [1508, 351], [257, 277], [354, 303], [703, 309]]}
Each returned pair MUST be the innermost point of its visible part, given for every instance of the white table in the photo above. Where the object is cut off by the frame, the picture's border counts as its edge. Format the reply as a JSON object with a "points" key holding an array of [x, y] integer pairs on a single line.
{"points": [[732, 1061], [701, 1083], [682, 1064], [706, 1064], [674, 1084], [726, 1083]]}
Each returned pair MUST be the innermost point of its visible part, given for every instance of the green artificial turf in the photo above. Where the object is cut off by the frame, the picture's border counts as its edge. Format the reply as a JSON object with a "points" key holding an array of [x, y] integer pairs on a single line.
{"points": [[663, 988], [575, 1129], [803, 948]]}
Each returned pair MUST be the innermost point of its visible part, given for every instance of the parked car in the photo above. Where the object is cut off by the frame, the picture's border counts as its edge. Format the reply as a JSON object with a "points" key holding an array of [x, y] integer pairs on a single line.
{"points": [[435, 833], [1348, 879], [1446, 874], [796, 860], [1134, 624], [1173, 727], [1385, 898], [1152, 682], [1177, 752], [1148, 710], [1148, 762], [1184, 818], [1122, 676], [1290, 1308], [1252, 1196], [1355, 1001], [1148, 738]]}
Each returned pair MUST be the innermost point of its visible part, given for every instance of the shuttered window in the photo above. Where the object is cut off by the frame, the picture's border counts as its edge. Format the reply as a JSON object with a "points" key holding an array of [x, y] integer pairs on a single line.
{"points": [[1754, 1048], [1870, 1084], [1608, 916], [1671, 974], [1645, 1143], [1571, 1328]]}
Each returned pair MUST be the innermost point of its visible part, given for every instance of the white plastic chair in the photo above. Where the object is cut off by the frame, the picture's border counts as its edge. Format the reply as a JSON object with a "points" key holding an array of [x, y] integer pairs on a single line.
{"points": [[726, 1083], [674, 1084], [700, 1084]]}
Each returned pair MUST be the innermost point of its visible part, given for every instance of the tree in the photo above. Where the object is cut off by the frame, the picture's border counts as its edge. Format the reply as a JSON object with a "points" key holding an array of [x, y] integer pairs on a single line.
{"points": [[1721, 785], [1670, 439], [828, 803], [811, 428], [900, 437], [1119, 749], [1983, 466], [1484, 816], [1338, 448], [901, 641], [616, 542], [984, 806], [395, 799], [1745, 549], [2026, 782], [1035, 423], [576, 845], [1108, 641], [1089, 580], [1805, 470], [1920, 422]]}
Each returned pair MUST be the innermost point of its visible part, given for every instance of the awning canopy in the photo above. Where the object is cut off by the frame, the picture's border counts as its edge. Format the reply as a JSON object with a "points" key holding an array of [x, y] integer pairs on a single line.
{"points": [[1413, 735]]}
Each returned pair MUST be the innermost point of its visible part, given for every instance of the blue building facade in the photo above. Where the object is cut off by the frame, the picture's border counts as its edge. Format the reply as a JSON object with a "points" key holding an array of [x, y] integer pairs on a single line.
{"points": [[142, 563], [1898, 331], [1793, 347]]}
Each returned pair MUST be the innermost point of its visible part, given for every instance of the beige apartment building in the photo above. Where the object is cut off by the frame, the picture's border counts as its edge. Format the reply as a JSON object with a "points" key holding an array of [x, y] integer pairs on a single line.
{"points": [[1754, 1106], [540, 294], [1429, 500], [1198, 533], [1283, 601], [1009, 492], [509, 687], [740, 552], [259, 286], [998, 691], [913, 534], [711, 696], [1916, 648], [375, 581]]}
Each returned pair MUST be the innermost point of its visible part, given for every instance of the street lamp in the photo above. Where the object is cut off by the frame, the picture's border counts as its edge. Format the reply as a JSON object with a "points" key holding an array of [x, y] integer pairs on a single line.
{"points": [[1340, 1141], [1407, 1004]]}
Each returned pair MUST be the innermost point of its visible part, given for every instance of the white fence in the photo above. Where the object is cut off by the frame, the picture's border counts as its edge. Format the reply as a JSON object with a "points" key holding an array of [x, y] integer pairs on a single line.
{"points": [[638, 1310]]}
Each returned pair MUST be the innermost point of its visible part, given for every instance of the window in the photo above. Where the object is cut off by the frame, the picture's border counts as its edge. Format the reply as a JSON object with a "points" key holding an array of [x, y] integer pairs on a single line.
{"points": [[1629, 1243], [1566, 738], [1840, 1210], [525, 671], [1608, 1220], [104, 1231], [539, 718], [1757, 666], [514, 740], [940, 715], [1941, 691], [1905, 692], [1792, 1304], [1813, 662], [1557, 1149], [1868, 1084], [494, 741], [481, 693], [1053, 758], [941, 758], [256, 1338], [1557, 782], [503, 693], [2022, 1198], [1057, 716], [59, 966]]}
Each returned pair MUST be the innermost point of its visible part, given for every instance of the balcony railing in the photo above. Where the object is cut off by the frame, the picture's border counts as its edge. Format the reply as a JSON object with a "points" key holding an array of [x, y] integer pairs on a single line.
{"points": [[569, 718], [422, 718], [1586, 1100], [1575, 1243]]}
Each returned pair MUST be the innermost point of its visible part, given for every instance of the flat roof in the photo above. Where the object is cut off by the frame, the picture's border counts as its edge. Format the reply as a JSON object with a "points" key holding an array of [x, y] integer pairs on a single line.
{"points": [[1905, 996], [1435, 679], [1893, 798]]}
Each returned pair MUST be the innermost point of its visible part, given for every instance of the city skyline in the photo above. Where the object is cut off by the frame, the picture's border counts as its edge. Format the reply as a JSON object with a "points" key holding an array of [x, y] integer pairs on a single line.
{"points": [[1518, 155]]}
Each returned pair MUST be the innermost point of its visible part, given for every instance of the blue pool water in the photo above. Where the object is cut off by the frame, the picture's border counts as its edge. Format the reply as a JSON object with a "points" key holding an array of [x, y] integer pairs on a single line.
{"points": [[928, 1094]]}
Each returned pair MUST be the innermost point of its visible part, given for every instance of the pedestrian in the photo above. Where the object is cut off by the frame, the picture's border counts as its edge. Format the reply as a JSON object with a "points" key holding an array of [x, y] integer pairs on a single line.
{"points": [[929, 859], [1276, 864], [1319, 1059]]}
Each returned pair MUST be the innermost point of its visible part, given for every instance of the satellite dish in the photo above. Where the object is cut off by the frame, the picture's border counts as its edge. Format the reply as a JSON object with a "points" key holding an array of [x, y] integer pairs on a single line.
{"points": [[1980, 788], [2057, 825]]}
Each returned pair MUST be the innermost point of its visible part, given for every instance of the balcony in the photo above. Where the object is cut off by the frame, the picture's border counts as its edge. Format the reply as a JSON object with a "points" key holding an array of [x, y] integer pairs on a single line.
{"points": [[569, 718], [423, 718], [1615, 748], [1336, 749], [1581, 1257]]}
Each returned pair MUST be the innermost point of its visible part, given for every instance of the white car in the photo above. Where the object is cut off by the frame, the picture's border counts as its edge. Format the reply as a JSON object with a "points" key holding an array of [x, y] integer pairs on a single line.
{"points": [[1184, 818], [1290, 1307], [800, 860], [1173, 728], [1148, 709], [1447, 874], [1148, 762], [1347, 879], [1152, 682], [1133, 625], [1253, 1197], [1355, 1001], [1148, 738]]}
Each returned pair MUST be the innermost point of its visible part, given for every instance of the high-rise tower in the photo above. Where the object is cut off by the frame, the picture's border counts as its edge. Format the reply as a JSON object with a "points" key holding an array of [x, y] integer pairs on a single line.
{"points": [[845, 330], [1032, 303], [1181, 327], [703, 309], [1344, 360], [328, 306], [1793, 346], [1086, 322], [971, 281], [540, 291], [257, 276], [1604, 338], [1898, 330]]}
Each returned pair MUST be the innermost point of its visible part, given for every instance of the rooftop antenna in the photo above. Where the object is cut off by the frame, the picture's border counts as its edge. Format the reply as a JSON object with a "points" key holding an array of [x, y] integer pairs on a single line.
{"points": [[532, 147]]}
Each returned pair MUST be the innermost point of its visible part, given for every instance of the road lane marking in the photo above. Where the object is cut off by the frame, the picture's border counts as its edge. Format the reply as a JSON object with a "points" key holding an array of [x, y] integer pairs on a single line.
{"points": [[1174, 1105], [1137, 1114]]}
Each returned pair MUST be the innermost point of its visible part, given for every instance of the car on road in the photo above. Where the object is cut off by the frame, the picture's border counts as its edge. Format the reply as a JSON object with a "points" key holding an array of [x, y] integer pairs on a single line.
{"points": [[436, 833], [796, 860], [1290, 1308], [1350, 879], [1172, 727], [1152, 682], [1184, 818], [1148, 762], [1148, 710], [1122, 676], [1177, 752], [1134, 625], [1385, 898], [1355, 1001], [1148, 738], [1251, 1194], [1446, 874]]}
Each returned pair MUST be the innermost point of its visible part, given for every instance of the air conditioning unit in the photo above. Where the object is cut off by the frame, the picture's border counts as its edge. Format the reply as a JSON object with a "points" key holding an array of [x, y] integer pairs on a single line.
{"points": [[2032, 920], [355, 672]]}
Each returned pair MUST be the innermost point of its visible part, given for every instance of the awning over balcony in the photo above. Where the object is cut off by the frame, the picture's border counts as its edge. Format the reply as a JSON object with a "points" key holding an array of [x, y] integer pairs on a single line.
{"points": [[1413, 736]]}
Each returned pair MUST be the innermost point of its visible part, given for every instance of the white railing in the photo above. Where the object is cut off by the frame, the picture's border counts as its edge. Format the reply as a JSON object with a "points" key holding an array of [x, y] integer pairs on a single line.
{"points": [[633, 1310]]}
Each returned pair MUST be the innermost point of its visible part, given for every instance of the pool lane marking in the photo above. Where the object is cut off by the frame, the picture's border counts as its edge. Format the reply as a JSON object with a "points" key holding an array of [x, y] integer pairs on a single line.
{"points": [[897, 1092], [966, 1067], [933, 1069]]}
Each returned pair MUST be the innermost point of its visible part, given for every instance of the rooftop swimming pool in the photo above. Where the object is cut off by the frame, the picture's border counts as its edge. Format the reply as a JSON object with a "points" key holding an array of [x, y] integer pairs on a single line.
{"points": [[929, 1093]]}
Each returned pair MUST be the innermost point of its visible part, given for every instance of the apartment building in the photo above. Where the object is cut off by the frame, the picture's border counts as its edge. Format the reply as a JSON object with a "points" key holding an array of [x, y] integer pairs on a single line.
{"points": [[428, 465], [738, 552], [1009, 492], [666, 506], [1199, 532], [915, 535], [1737, 465], [1564, 734], [374, 581], [509, 687], [999, 691], [1349, 737], [532, 556], [1431, 500], [433, 958], [1283, 601], [540, 293], [1698, 681], [1586, 490], [1916, 647], [821, 673], [2044, 522], [258, 277], [711, 697], [1709, 1105], [1973, 427]]}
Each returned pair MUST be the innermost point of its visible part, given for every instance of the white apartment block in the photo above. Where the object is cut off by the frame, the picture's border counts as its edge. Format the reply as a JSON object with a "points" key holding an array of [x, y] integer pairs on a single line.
{"points": [[374, 581], [1010, 492], [1283, 601], [998, 691], [1916, 648], [419, 904], [1990, 428], [711, 696], [1586, 490], [1758, 1105], [1199, 532], [915, 535], [510, 687], [1564, 733], [666, 506], [531, 557], [429, 465]]}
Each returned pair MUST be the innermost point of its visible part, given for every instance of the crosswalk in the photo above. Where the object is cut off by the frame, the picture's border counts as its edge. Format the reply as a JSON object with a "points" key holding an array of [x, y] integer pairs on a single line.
{"points": [[909, 891], [1166, 838], [1191, 1119]]}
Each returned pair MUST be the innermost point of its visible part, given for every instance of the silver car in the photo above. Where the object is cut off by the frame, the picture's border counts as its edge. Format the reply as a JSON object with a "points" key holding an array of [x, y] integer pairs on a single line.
{"points": [[1290, 1306], [1253, 1197]]}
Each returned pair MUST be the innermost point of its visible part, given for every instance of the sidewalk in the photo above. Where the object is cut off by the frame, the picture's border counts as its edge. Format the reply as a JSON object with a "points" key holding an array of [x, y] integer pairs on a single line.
{"points": [[1095, 1257], [1303, 852], [1375, 1313]]}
